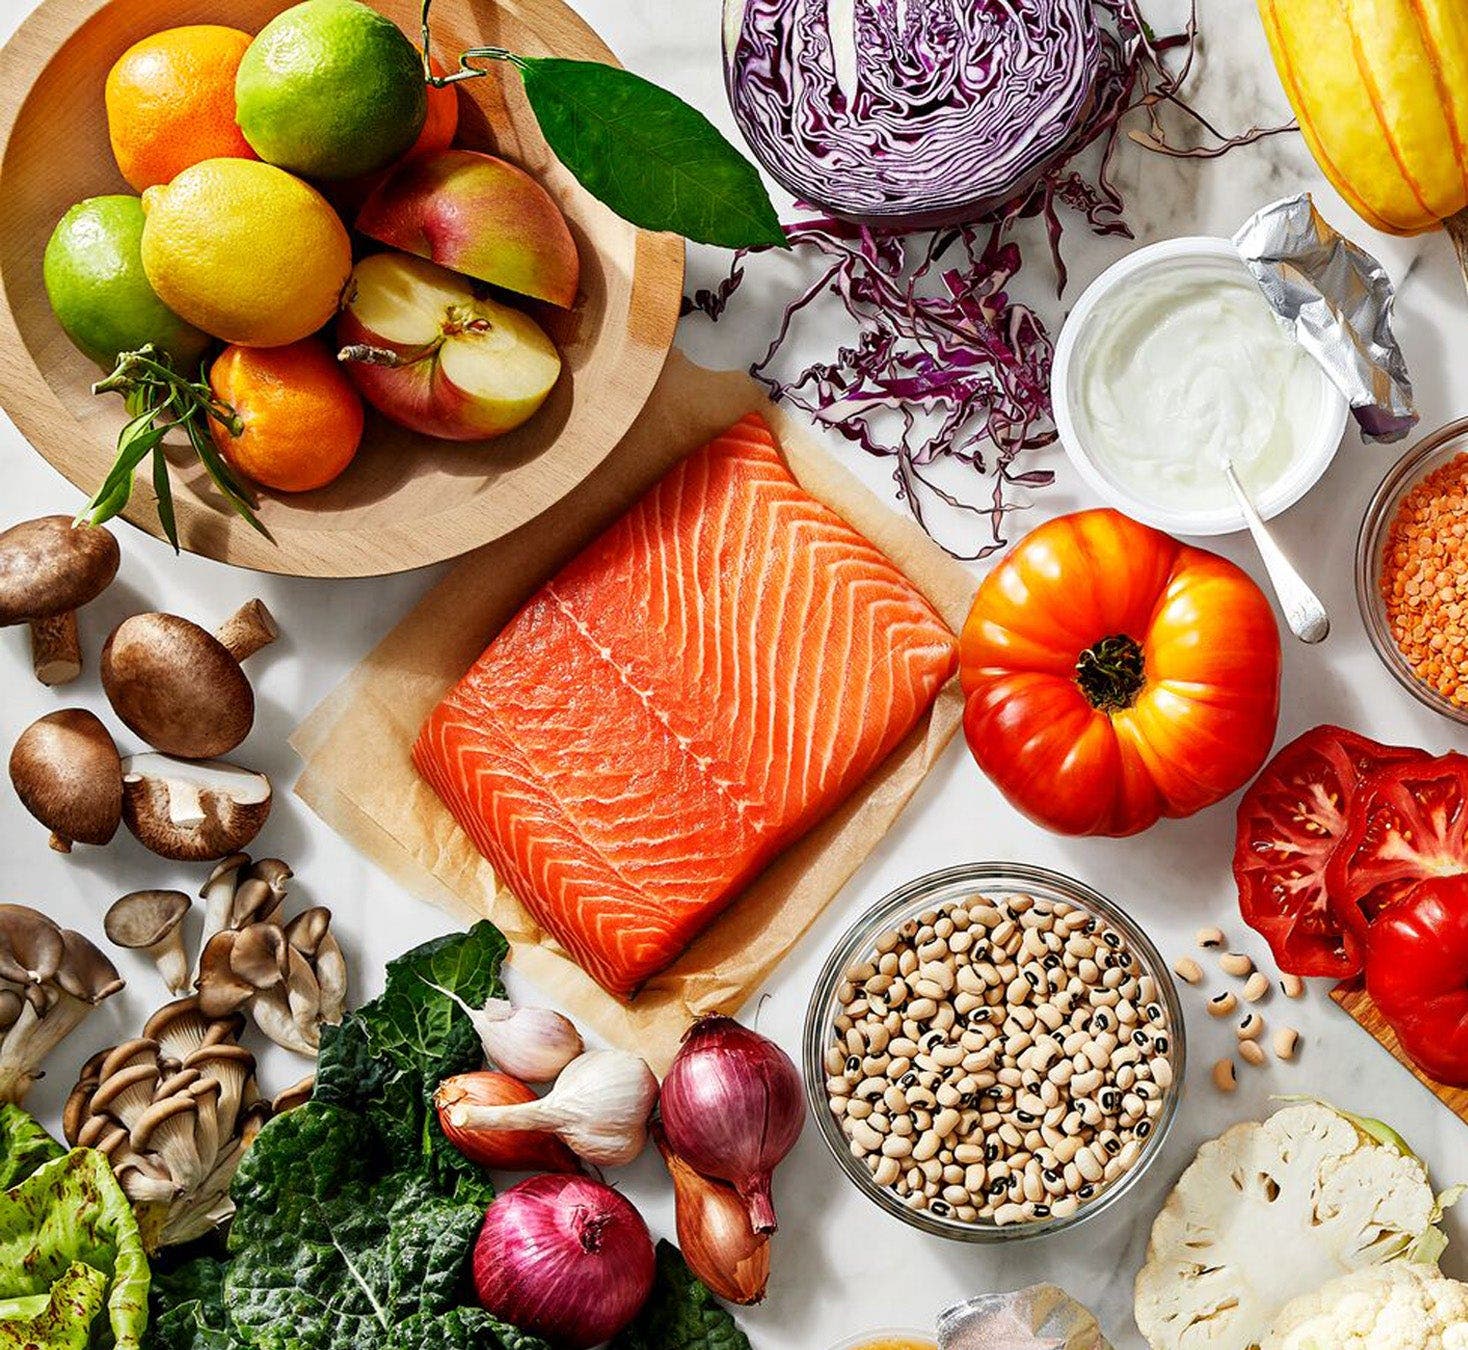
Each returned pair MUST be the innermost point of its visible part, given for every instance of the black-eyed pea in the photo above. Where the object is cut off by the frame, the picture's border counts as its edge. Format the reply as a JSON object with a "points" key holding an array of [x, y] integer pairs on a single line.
{"points": [[1225, 1077], [1292, 985], [1222, 1005], [1188, 970], [1286, 1043], [921, 1009], [1256, 987], [1237, 964], [1252, 1053], [1161, 1070], [887, 1171], [896, 1146]]}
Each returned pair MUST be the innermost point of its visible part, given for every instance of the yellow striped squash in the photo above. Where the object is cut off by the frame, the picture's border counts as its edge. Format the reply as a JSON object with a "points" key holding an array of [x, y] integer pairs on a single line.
{"points": [[1380, 88]]}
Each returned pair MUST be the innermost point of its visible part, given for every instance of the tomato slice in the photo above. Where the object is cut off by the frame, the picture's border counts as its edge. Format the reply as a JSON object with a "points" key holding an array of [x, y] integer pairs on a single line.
{"points": [[1290, 821], [1417, 975], [1409, 821]]}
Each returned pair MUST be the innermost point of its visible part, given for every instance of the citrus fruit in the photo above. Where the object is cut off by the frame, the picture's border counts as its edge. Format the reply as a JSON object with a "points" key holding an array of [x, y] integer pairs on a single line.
{"points": [[245, 251], [302, 415], [95, 280], [170, 102], [331, 89]]}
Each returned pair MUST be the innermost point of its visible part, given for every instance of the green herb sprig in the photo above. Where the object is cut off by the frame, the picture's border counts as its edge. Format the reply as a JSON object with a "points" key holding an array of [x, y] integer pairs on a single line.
{"points": [[643, 151], [160, 400]]}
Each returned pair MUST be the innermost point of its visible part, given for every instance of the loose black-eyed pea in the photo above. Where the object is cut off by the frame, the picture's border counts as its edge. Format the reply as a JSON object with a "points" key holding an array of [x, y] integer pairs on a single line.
{"points": [[1256, 987], [1210, 938], [1286, 1043], [1292, 985], [1251, 1052], [1222, 1005], [1225, 1076], [1188, 970], [1237, 964], [1251, 1028]]}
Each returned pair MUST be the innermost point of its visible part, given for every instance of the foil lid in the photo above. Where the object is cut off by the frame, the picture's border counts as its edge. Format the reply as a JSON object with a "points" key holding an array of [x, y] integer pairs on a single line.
{"points": [[1335, 299], [1042, 1317]]}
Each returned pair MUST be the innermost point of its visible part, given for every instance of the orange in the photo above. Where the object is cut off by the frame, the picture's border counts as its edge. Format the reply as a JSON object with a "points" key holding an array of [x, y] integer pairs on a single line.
{"points": [[170, 103], [442, 124], [302, 415]]}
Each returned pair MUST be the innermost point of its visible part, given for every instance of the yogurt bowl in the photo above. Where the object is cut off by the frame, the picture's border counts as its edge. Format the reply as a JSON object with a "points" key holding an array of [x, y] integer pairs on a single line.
{"points": [[1167, 346]]}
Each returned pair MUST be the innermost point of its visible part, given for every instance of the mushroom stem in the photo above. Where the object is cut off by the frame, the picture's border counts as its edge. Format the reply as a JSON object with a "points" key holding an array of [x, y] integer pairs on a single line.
{"points": [[56, 649], [248, 629], [60, 843]]}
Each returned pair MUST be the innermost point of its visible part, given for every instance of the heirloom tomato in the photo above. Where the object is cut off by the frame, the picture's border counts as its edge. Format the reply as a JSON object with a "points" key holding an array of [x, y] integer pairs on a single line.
{"points": [[1417, 975], [1290, 821], [1114, 675], [1409, 821]]}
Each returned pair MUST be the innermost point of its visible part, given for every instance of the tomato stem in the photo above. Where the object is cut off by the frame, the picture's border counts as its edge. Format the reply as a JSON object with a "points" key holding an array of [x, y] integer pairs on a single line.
{"points": [[1111, 673]]}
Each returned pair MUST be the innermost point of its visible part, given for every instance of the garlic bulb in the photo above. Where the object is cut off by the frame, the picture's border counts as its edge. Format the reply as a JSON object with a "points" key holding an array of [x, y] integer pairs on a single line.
{"points": [[599, 1108], [531, 1044]]}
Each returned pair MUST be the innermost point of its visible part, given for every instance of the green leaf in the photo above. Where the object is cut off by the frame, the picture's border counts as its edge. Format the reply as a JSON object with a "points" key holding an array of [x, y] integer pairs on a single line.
{"points": [[69, 1211], [681, 1313], [135, 442], [331, 1251], [24, 1145], [59, 1320], [223, 479], [163, 490], [186, 1309], [649, 156]]}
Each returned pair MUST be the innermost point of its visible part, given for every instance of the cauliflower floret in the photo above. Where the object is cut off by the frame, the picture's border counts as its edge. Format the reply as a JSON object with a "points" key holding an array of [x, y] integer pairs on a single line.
{"points": [[1267, 1212], [1402, 1306]]}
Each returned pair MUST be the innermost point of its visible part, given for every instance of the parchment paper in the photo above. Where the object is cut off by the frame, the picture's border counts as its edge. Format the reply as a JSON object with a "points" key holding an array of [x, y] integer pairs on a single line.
{"points": [[359, 778]]}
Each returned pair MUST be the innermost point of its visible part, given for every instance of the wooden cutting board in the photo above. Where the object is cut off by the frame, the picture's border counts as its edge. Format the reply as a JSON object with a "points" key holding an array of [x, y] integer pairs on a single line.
{"points": [[1357, 1002]]}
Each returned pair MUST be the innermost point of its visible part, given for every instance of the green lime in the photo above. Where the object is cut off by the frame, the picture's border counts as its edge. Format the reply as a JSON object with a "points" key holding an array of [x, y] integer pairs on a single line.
{"points": [[100, 293], [331, 89]]}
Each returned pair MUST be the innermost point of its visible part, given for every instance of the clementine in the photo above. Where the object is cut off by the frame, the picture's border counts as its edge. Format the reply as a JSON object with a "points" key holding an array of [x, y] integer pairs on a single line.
{"points": [[171, 103], [302, 415]]}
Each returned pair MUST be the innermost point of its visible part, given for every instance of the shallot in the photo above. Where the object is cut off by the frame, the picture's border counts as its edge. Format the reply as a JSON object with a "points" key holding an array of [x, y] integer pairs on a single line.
{"points": [[599, 1107], [510, 1150], [531, 1044], [564, 1258], [715, 1234], [732, 1108]]}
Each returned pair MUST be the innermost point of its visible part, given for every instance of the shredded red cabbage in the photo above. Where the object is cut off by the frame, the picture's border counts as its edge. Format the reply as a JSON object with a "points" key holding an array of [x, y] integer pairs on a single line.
{"points": [[943, 365]]}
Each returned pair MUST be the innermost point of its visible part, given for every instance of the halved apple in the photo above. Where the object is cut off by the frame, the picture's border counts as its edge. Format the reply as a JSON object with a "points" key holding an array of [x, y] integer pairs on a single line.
{"points": [[481, 216], [432, 355]]}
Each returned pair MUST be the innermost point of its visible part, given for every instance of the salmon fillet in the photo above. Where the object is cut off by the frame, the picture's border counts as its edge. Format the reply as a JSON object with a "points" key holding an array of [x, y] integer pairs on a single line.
{"points": [[690, 694]]}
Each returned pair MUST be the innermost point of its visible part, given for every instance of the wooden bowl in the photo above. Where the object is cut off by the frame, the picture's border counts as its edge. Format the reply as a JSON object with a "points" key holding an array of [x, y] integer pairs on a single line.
{"points": [[406, 500]]}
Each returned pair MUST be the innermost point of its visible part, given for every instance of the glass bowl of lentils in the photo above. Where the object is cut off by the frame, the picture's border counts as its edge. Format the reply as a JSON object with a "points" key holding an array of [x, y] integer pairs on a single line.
{"points": [[1412, 571], [994, 1052]]}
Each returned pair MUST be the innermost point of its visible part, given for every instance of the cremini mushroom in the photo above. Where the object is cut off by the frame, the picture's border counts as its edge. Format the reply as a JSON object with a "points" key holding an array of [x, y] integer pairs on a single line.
{"points": [[180, 687], [51, 978], [50, 568], [67, 773], [174, 1112], [192, 811], [152, 922]]}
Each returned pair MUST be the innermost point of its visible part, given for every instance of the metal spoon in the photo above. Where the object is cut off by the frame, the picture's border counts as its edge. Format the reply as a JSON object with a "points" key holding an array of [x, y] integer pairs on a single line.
{"points": [[1303, 611]]}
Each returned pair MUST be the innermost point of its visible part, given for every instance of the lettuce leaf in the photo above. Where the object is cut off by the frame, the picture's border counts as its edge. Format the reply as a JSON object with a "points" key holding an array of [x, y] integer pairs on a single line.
{"points": [[24, 1145], [69, 1213], [681, 1314]]}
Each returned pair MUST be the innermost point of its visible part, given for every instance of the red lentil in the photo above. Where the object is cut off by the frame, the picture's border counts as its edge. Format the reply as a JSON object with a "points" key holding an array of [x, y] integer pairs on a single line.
{"points": [[1424, 579]]}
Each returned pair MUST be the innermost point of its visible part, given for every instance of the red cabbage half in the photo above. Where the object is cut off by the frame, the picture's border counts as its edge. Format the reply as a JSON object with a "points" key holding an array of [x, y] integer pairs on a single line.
{"points": [[910, 112]]}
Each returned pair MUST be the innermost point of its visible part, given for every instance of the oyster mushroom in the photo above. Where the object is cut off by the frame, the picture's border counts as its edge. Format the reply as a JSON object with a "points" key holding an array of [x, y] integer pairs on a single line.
{"points": [[63, 975], [50, 568], [67, 773], [310, 934], [174, 1112], [257, 971], [180, 687], [298, 1094], [192, 811], [152, 922]]}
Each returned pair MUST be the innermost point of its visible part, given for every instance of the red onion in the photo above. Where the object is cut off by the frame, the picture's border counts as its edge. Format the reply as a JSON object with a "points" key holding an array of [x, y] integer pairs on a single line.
{"points": [[564, 1258], [732, 1107]]}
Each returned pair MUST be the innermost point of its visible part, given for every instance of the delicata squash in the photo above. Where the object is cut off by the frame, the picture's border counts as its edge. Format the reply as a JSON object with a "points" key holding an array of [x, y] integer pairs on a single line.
{"points": [[1380, 88]]}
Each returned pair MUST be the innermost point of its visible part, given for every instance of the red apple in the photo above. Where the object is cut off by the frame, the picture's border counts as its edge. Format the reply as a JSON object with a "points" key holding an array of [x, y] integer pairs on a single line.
{"points": [[431, 355], [478, 215]]}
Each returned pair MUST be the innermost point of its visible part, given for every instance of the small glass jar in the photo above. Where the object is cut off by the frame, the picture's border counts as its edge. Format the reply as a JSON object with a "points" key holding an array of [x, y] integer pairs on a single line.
{"points": [[994, 879], [1431, 453]]}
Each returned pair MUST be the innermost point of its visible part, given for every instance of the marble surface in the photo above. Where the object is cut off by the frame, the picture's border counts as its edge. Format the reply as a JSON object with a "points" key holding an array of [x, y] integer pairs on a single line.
{"points": [[840, 1265]]}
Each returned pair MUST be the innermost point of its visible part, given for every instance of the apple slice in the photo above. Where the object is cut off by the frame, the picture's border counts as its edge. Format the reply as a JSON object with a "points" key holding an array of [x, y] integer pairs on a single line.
{"points": [[481, 216], [431, 355]]}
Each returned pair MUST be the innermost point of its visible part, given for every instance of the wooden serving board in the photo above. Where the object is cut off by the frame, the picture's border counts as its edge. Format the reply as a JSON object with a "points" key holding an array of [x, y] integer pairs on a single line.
{"points": [[406, 500], [1353, 997]]}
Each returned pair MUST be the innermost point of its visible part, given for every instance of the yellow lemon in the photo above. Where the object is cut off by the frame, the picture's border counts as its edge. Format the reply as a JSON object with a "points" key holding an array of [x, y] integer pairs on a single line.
{"points": [[245, 251]]}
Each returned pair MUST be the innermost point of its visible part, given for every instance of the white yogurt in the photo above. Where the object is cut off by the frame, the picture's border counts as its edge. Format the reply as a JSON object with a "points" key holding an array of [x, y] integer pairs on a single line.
{"points": [[1182, 365]]}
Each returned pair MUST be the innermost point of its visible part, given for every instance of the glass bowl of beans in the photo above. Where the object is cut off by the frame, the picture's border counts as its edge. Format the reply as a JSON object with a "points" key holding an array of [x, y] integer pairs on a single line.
{"points": [[994, 1052], [1412, 571]]}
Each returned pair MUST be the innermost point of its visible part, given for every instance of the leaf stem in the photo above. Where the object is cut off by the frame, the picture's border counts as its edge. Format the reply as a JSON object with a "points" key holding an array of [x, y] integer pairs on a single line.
{"points": [[466, 70]]}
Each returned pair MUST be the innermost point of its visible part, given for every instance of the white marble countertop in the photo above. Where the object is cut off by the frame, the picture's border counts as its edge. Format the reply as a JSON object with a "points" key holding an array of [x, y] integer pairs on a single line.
{"points": [[841, 1266]]}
